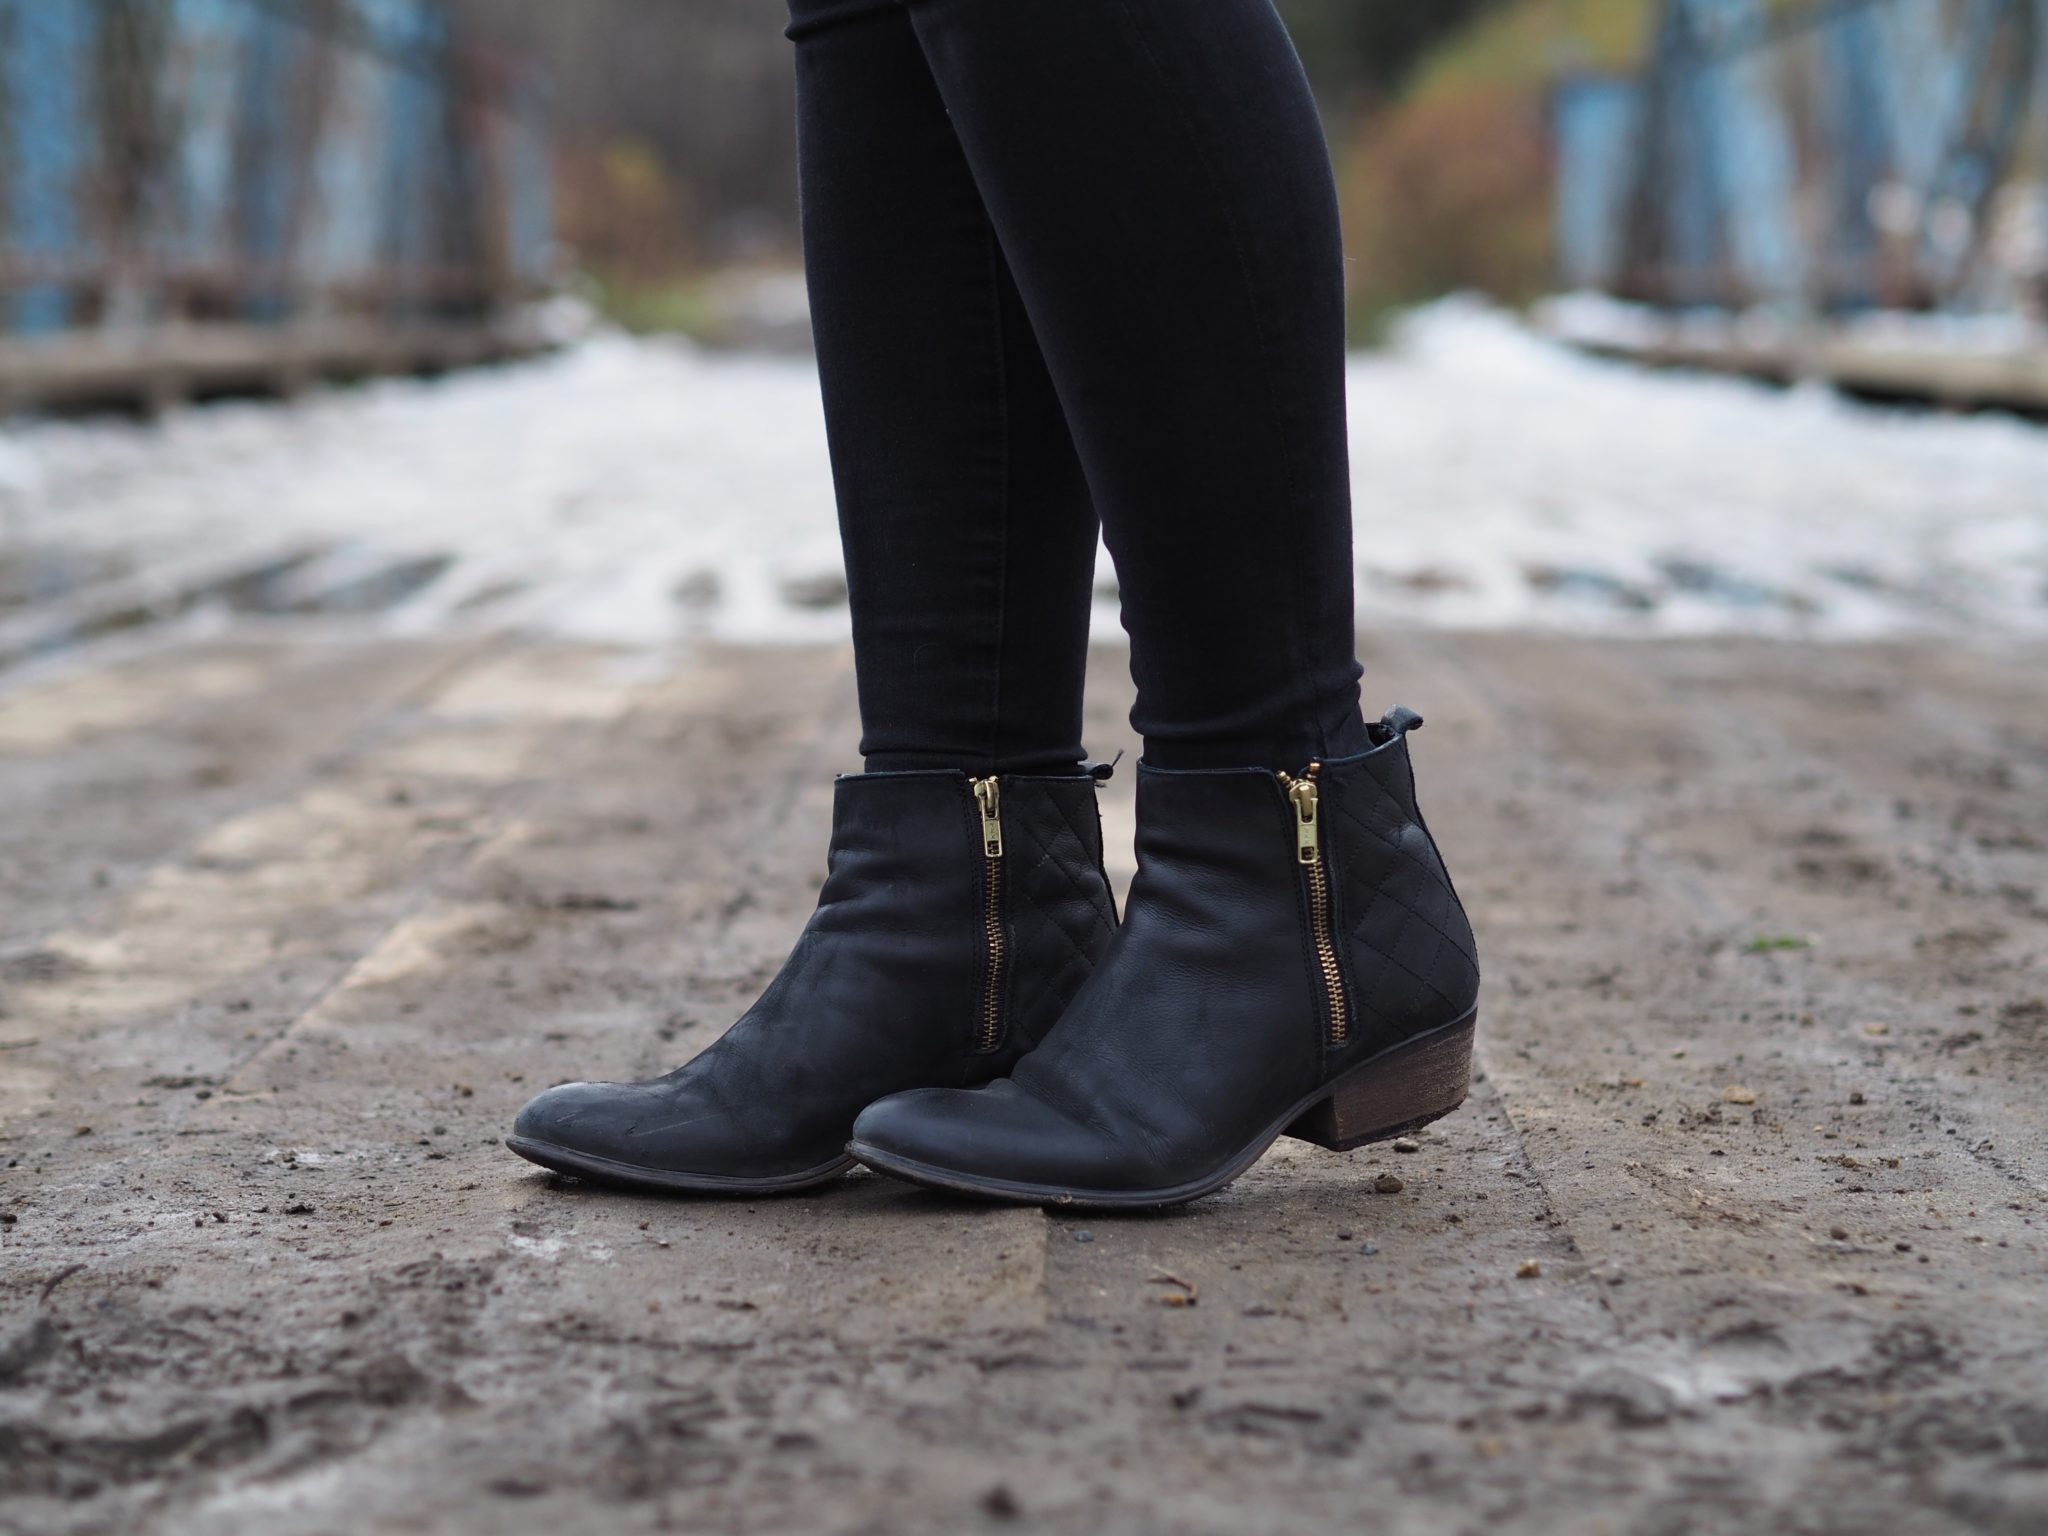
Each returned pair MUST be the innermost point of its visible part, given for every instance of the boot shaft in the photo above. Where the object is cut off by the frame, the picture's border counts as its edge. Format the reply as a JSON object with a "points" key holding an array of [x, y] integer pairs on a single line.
{"points": [[1409, 959], [1340, 855], [1001, 877]]}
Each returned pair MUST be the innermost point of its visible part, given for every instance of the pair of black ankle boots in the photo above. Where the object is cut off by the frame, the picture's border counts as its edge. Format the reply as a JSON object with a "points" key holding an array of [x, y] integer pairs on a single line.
{"points": [[964, 1010]]}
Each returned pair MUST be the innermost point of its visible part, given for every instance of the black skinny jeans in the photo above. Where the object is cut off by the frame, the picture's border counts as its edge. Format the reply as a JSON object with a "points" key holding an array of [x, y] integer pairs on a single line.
{"points": [[1070, 259]]}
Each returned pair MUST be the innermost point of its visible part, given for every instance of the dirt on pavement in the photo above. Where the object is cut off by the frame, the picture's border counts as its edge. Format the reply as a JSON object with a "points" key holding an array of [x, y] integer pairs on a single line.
{"points": [[1740, 1231]]}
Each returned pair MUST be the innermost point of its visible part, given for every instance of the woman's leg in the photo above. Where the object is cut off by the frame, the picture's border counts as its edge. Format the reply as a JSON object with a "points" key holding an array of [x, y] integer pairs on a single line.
{"points": [[1293, 958], [1158, 179], [969, 535], [959, 916]]}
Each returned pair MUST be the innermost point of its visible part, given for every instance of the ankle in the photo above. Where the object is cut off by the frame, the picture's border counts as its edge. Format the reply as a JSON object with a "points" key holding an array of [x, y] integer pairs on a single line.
{"points": [[975, 766]]}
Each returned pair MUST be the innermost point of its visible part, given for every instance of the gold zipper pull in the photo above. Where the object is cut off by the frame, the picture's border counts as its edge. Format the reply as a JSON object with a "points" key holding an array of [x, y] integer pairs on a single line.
{"points": [[1308, 846], [988, 794], [1308, 831]]}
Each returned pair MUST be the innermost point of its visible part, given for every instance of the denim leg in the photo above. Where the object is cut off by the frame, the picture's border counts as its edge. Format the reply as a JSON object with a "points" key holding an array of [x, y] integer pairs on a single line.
{"points": [[967, 525], [1157, 176]]}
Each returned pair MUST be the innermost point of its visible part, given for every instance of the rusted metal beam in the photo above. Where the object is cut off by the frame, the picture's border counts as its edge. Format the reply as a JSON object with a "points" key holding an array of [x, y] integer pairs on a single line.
{"points": [[173, 169]]}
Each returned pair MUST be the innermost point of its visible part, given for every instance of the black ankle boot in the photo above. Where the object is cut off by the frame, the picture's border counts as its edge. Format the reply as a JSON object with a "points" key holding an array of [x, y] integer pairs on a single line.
{"points": [[958, 919], [1293, 961]]}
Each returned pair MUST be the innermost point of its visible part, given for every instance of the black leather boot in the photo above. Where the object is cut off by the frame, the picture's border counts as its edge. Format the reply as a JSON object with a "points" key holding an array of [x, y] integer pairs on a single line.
{"points": [[959, 917], [1293, 961]]}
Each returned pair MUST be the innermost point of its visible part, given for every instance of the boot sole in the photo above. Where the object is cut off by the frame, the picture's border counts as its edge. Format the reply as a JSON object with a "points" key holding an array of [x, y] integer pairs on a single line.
{"points": [[1402, 1089], [605, 1170]]}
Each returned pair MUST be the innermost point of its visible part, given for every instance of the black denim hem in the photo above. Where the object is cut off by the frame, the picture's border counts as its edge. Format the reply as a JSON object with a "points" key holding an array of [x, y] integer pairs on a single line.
{"points": [[808, 16]]}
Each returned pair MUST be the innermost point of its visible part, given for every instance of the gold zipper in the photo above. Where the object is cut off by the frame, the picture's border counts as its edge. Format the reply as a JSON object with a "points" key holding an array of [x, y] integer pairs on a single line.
{"points": [[988, 798], [1304, 796]]}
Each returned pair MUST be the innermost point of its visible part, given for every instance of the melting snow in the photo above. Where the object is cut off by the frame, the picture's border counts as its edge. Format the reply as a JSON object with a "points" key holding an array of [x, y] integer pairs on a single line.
{"points": [[641, 490]]}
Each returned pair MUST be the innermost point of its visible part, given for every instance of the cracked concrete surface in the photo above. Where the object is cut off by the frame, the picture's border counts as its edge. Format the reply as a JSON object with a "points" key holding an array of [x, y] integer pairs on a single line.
{"points": [[1740, 1231]]}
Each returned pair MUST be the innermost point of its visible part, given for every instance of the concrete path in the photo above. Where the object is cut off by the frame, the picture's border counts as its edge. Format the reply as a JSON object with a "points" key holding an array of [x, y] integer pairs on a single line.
{"points": [[1742, 1230]]}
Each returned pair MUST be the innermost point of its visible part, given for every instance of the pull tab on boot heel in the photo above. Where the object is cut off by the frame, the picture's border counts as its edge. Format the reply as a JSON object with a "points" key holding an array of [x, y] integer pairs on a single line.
{"points": [[1401, 1090]]}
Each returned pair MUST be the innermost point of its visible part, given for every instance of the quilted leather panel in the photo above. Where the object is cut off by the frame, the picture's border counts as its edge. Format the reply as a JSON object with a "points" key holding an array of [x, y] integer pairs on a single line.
{"points": [[1410, 958], [1058, 902]]}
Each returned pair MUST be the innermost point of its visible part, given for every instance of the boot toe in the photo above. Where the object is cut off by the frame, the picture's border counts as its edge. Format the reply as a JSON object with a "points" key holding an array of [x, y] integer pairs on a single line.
{"points": [[578, 1117], [657, 1135], [596, 1128], [998, 1140]]}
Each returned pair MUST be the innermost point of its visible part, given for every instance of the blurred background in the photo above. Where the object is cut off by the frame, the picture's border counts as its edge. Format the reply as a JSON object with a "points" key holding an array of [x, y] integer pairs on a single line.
{"points": [[1829, 217]]}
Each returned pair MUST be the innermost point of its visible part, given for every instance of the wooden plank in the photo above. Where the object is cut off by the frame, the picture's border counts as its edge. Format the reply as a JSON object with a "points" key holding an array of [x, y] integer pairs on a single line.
{"points": [[1609, 1295], [159, 366], [2011, 379]]}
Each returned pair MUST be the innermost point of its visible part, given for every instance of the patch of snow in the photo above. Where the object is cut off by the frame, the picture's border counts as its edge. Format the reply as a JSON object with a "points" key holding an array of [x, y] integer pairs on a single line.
{"points": [[640, 491]]}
